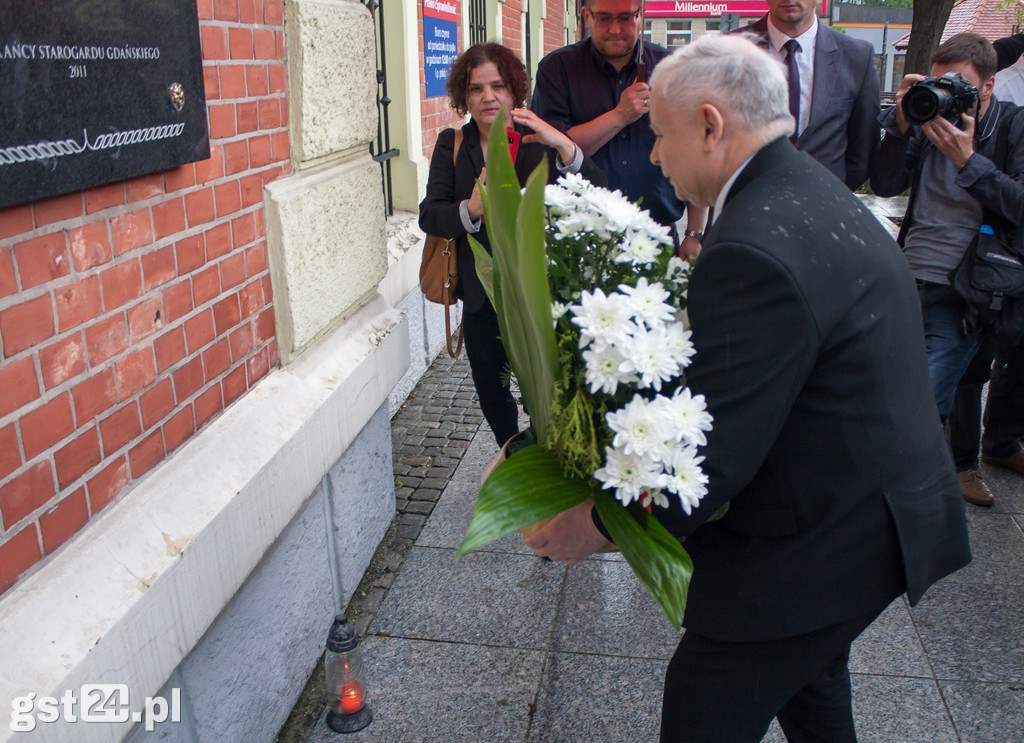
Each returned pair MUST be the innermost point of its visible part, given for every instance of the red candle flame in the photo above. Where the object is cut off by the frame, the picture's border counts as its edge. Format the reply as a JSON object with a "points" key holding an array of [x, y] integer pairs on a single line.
{"points": [[351, 697]]}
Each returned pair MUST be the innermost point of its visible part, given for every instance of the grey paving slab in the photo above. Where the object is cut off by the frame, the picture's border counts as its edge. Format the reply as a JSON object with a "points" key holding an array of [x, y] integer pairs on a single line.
{"points": [[598, 699], [973, 632], [429, 692], [495, 599], [900, 710], [450, 519], [606, 610], [890, 646], [986, 713], [997, 549], [774, 734]]}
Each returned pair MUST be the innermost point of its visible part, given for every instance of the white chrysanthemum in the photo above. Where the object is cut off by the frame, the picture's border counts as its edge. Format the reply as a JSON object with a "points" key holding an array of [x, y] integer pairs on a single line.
{"points": [[658, 496], [688, 415], [648, 355], [558, 199], [629, 474], [606, 319], [685, 478], [575, 183], [656, 230], [648, 302], [619, 212], [638, 248], [640, 428], [558, 310], [678, 343], [602, 372], [571, 223]]}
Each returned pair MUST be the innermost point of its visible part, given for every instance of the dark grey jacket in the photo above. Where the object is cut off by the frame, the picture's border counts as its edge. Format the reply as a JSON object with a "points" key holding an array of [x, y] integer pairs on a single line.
{"points": [[843, 128]]}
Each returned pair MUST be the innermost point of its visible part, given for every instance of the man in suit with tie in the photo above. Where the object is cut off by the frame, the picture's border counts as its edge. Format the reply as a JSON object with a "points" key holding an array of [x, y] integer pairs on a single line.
{"points": [[837, 106], [826, 443]]}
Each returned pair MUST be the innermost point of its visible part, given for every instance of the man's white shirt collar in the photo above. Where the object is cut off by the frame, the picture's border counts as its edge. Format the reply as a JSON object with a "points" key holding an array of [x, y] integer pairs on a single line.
{"points": [[720, 201], [776, 38]]}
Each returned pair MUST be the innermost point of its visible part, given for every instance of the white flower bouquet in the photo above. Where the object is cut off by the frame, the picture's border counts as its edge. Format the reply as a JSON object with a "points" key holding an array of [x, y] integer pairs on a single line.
{"points": [[590, 299]]}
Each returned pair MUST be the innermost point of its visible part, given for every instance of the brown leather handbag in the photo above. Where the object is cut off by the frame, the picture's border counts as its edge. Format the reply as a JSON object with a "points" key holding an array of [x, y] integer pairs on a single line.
{"points": [[439, 272]]}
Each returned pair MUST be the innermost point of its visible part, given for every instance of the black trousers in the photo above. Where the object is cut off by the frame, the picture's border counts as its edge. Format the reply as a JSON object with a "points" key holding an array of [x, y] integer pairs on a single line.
{"points": [[489, 365], [1004, 410], [728, 692]]}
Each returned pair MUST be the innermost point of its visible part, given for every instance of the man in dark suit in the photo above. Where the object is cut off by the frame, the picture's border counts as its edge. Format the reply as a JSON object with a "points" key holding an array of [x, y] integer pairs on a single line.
{"points": [[837, 120], [826, 443]]}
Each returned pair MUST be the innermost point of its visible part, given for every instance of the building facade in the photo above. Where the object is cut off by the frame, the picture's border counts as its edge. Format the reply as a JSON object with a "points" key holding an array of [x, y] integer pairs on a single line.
{"points": [[881, 27]]}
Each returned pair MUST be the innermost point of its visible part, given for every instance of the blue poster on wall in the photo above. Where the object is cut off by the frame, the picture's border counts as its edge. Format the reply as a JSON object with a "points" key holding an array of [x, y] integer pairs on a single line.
{"points": [[440, 43]]}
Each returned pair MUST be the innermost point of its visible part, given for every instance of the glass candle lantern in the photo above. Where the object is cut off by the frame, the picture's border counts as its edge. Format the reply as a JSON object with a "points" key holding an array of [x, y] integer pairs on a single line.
{"points": [[346, 688]]}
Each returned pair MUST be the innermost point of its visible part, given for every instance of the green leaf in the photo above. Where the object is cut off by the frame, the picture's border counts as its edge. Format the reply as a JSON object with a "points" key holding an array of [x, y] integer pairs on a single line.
{"points": [[484, 267], [519, 291], [526, 488], [657, 558]]}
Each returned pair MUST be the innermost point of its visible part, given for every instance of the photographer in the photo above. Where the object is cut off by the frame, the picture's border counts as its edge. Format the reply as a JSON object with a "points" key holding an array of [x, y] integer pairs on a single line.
{"points": [[946, 162]]}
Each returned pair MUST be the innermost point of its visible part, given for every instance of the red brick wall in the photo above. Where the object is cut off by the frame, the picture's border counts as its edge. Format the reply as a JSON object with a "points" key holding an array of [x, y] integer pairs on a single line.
{"points": [[554, 26], [131, 314], [512, 20]]}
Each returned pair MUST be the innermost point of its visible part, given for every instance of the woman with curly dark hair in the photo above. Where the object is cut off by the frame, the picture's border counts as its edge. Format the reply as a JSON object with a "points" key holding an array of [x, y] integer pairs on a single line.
{"points": [[484, 81]]}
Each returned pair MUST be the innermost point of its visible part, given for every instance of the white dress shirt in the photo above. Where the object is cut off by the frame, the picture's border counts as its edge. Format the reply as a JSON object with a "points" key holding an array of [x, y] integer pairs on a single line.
{"points": [[804, 63]]}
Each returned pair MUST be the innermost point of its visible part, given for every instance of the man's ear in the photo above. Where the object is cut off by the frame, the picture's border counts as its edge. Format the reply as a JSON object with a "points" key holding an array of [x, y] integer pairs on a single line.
{"points": [[714, 125], [985, 92]]}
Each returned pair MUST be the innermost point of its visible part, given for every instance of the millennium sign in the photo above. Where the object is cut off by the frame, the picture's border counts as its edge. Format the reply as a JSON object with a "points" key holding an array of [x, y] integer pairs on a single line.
{"points": [[96, 91]]}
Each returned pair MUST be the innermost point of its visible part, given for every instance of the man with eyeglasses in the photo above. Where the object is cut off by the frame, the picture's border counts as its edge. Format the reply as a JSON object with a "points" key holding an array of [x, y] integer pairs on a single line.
{"points": [[596, 90]]}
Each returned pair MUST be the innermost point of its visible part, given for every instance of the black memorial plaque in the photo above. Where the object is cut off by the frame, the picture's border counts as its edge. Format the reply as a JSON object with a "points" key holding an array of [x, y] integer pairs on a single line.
{"points": [[95, 91]]}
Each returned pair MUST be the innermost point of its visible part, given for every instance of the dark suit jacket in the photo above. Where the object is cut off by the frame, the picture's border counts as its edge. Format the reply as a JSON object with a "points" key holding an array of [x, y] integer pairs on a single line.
{"points": [[447, 186], [843, 129], [826, 441]]}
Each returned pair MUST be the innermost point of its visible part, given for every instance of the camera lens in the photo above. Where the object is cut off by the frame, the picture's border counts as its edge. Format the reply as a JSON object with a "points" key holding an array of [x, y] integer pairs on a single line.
{"points": [[923, 103]]}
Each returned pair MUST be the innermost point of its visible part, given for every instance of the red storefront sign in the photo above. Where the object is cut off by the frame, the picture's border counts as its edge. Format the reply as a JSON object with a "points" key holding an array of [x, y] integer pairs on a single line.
{"points": [[710, 8]]}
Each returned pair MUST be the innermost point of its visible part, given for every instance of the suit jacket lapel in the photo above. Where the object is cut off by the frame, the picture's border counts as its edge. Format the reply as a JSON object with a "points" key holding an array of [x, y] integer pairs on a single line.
{"points": [[826, 58]]}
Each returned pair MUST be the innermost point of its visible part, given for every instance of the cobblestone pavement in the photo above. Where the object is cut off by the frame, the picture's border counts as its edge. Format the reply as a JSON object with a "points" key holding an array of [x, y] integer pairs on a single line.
{"points": [[430, 434]]}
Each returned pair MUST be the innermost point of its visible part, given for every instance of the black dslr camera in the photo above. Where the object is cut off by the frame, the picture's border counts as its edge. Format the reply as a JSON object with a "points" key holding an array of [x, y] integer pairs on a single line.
{"points": [[948, 96]]}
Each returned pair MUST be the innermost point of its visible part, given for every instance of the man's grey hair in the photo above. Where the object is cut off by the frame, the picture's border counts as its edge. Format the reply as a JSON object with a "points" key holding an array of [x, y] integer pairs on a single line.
{"points": [[731, 72]]}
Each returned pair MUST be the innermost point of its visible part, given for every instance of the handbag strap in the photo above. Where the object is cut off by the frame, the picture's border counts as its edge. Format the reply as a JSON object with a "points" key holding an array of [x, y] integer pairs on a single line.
{"points": [[456, 146], [448, 301], [448, 334]]}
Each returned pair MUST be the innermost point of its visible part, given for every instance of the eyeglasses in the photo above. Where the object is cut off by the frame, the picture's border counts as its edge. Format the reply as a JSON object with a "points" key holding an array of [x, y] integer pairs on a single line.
{"points": [[606, 19]]}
